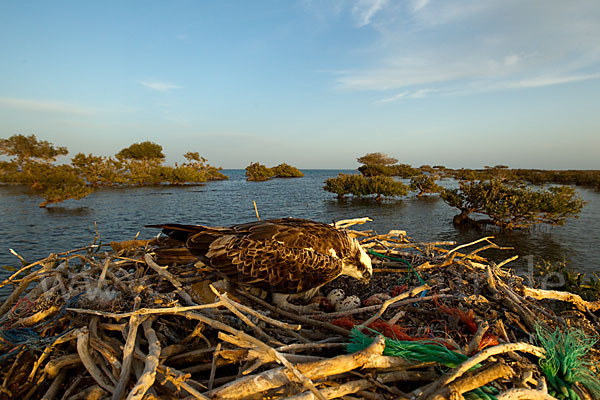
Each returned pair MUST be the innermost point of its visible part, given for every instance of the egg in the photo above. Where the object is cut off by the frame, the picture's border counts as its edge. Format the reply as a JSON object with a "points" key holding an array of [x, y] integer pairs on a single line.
{"points": [[349, 303], [335, 296]]}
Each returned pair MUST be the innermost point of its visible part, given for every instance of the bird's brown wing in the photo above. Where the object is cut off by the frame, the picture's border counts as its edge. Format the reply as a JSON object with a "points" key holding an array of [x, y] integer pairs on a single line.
{"points": [[284, 255], [270, 265]]}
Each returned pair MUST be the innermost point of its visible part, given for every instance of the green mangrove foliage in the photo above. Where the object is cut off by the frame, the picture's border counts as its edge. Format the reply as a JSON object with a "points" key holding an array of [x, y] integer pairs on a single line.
{"points": [[31, 164], [284, 170], [511, 206], [258, 172], [358, 185], [377, 159], [424, 183], [374, 164]]}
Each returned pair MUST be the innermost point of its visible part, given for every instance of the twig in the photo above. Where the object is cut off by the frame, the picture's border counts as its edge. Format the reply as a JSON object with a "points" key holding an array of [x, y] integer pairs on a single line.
{"points": [[470, 382], [147, 379], [146, 311], [477, 359], [213, 368], [88, 362], [361, 384], [524, 394], [231, 307], [277, 377], [134, 323], [576, 300], [468, 244], [162, 271], [300, 318], [393, 300], [55, 386]]}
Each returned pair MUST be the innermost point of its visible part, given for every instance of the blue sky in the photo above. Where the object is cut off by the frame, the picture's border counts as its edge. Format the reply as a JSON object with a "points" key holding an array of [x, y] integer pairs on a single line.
{"points": [[312, 83]]}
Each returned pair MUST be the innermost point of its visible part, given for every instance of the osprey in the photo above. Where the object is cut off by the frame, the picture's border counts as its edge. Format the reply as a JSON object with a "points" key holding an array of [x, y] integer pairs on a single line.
{"points": [[285, 256]]}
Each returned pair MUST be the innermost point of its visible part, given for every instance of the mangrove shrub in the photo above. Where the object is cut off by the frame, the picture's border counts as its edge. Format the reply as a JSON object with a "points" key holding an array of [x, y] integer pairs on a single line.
{"points": [[512, 206], [258, 172], [424, 183], [358, 185]]}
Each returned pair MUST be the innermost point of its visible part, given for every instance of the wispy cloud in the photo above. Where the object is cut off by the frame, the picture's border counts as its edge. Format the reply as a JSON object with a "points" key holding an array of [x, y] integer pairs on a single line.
{"points": [[551, 80], [49, 106], [417, 94], [463, 45], [159, 86], [419, 4], [393, 98], [364, 10]]}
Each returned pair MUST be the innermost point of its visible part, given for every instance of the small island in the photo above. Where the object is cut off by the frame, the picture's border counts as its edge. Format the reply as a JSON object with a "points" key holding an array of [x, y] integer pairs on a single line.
{"points": [[31, 164], [259, 172]]}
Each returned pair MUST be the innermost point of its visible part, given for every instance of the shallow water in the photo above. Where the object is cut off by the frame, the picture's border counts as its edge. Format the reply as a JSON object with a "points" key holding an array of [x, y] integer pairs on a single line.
{"points": [[121, 213]]}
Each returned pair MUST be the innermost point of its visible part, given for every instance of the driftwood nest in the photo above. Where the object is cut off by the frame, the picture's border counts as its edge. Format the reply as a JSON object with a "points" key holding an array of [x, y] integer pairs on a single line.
{"points": [[95, 324]]}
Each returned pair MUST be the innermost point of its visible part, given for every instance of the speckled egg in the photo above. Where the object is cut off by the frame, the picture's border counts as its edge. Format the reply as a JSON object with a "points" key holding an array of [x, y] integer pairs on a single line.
{"points": [[349, 303], [335, 296]]}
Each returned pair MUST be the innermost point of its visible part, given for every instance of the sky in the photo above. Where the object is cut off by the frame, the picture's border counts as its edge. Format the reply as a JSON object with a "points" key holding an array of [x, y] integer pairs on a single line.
{"points": [[314, 83]]}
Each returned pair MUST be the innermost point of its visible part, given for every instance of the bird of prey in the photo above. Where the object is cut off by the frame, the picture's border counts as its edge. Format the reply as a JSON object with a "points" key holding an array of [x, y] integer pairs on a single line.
{"points": [[287, 256]]}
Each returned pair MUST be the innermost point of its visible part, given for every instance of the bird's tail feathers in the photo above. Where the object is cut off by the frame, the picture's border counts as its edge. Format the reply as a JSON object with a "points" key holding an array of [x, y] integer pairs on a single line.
{"points": [[178, 231]]}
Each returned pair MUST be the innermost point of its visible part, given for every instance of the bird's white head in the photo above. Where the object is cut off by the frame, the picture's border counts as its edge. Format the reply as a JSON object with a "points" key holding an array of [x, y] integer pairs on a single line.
{"points": [[358, 263]]}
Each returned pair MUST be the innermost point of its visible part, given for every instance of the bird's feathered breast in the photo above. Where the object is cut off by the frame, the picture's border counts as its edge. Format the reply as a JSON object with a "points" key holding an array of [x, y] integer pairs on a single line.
{"points": [[282, 256]]}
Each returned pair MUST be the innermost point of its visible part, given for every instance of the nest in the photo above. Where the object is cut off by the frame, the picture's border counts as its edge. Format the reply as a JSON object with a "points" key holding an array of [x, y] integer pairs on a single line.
{"points": [[437, 321]]}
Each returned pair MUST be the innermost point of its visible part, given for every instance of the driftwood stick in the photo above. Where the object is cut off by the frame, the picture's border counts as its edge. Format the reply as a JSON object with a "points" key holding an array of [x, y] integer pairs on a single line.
{"points": [[213, 368], [145, 311], [300, 318], [162, 271], [179, 379], [524, 394], [260, 316], [54, 366], [503, 263], [71, 387], [345, 223], [67, 337], [88, 361], [147, 379], [55, 386], [475, 342], [576, 300], [468, 244], [473, 381], [12, 368], [275, 355], [309, 346], [94, 392], [477, 359], [233, 308], [21, 288], [38, 316], [252, 384], [411, 293], [361, 384], [119, 391], [190, 356], [11, 278], [103, 273]]}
